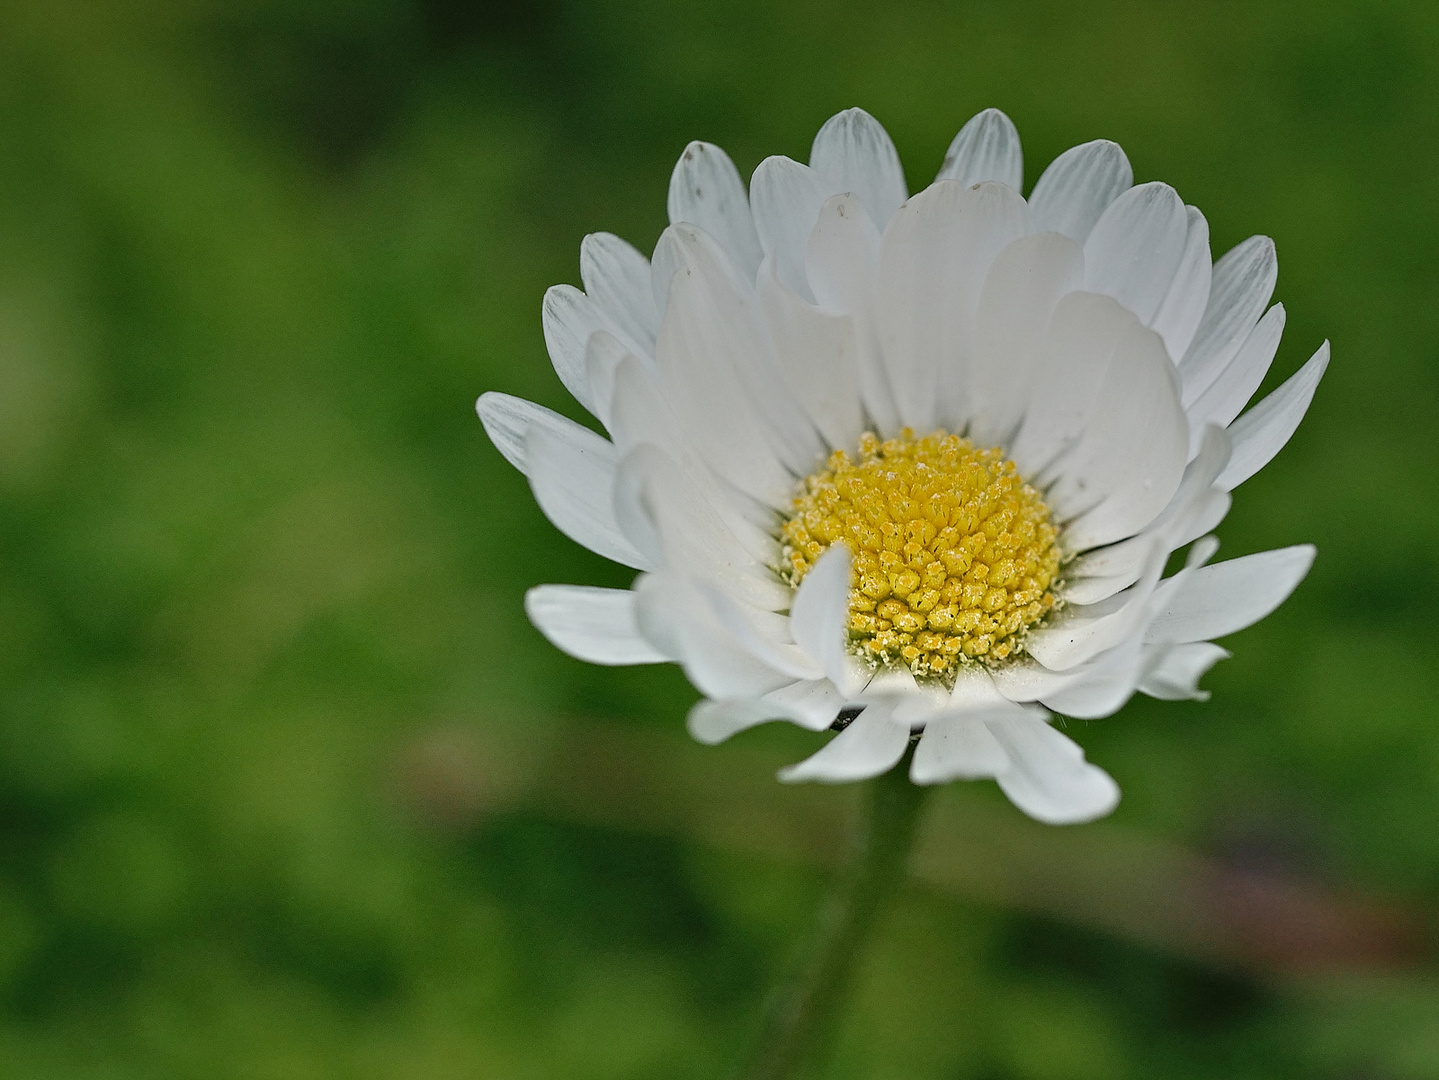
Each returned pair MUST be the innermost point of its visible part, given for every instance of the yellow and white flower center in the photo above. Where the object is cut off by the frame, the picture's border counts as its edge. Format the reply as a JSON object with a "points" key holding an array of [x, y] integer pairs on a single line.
{"points": [[954, 554]]}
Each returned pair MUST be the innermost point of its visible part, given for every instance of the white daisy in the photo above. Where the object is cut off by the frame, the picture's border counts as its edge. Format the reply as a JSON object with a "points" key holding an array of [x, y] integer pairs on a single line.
{"points": [[912, 467]]}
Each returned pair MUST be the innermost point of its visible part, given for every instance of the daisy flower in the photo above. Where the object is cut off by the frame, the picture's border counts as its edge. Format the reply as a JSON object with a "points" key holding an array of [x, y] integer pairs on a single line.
{"points": [[911, 467]]}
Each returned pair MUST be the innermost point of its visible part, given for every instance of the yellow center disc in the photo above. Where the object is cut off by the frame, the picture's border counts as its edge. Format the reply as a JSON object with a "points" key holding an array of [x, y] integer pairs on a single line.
{"points": [[954, 554]]}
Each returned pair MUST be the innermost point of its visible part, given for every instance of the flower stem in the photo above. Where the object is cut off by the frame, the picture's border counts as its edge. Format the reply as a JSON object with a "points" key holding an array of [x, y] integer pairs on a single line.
{"points": [[803, 1009]]}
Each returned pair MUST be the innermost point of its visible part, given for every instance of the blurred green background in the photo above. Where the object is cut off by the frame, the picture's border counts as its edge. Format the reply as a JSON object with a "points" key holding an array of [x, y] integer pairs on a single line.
{"points": [[278, 782]]}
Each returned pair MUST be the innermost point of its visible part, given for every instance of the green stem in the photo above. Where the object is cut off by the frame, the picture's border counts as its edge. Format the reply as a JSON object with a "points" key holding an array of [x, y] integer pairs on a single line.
{"points": [[803, 1009]]}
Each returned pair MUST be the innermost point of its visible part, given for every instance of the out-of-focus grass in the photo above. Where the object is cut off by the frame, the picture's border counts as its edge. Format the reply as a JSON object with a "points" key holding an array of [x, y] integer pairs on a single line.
{"points": [[263, 667]]}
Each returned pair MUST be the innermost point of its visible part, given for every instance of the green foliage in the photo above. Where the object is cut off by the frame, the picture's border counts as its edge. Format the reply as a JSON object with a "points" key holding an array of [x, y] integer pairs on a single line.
{"points": [[264, 674]]}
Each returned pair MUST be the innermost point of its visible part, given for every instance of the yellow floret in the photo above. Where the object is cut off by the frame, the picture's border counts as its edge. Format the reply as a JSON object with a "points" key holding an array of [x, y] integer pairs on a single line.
{"points": [[954, 554]]}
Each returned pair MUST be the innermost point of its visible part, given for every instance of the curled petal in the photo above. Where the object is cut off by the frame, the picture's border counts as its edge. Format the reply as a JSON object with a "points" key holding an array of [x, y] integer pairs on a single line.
{"points": [[711, 722], [872, 744], [1173, 671], [957, 746], [1048, 777]]}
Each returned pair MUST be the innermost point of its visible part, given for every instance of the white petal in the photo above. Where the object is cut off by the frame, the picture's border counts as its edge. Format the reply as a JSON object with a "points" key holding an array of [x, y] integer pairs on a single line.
{"points": [[820, 611], [854, 153], [1200, 476], [974, 691], [816, 353], [1174, 672], [1183, 308], [658, 507], [663, 265], [1096, 688], [1228, 596], [1048, 777], [933, 261], [840, 264], [1125, 469], [603, 356], [764, 634], [572, 475], [1079, 346], [1262, 432], [1092, 588], [1081, 633], [1027, 680], [717, 371], [872, 744], [640, 414], [506, 418], [1204, 516], [812, 703], [1125, 560], [1130, 437], [957, 746], [1135, 248], [1242, 285], [1198, 556], [1100, 687], [897, 689], [1102, 683], [568, 318], [786, 197], [1020, 293], [597, 625], [712, 722], [617, 278], [706, 190], [986, 148], [921, 328], [1078, 187], [1236, 384], [1102, 573], [672, 614]]}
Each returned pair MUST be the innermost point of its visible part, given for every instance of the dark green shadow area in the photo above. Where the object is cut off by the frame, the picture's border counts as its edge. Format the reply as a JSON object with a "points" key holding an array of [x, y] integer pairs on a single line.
{"points": [[266, 686]]}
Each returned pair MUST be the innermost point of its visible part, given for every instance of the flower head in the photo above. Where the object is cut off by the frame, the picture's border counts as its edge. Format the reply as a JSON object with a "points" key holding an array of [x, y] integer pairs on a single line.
{"points": [[913, 466]]}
